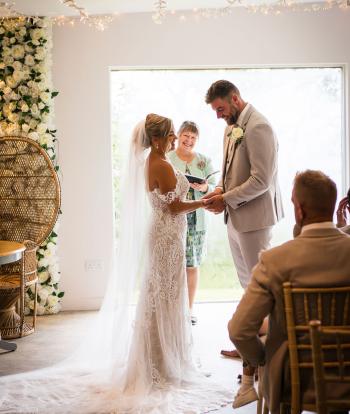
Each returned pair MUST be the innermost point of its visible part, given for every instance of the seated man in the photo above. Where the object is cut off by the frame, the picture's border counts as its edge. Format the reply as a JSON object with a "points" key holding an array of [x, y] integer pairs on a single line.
{"points": [[308, 260]]}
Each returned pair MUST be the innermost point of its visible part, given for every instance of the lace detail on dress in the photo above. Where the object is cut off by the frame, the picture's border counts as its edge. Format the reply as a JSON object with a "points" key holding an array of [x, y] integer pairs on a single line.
{"points": [[160, 376]]}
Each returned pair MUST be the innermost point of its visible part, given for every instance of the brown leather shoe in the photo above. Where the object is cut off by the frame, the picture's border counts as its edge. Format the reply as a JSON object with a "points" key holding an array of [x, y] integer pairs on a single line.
{"points": [[231, 354]]}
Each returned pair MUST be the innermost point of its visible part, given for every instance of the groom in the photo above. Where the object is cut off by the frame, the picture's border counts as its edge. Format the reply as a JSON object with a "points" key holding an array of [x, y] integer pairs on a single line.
{"points": [[248, 192]]}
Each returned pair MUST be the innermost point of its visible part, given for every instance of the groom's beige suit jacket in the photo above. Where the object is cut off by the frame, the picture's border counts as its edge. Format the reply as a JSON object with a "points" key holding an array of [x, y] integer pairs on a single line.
{"points": [[316, 258], [249, 175]]}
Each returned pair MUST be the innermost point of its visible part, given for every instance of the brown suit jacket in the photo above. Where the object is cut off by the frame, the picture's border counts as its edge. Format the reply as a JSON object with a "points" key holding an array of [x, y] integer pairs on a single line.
{"points": [[318, 257]]}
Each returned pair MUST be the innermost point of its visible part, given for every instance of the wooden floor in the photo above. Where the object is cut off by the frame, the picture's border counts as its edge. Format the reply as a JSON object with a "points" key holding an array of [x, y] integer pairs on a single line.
{"points": [[57, 335]]}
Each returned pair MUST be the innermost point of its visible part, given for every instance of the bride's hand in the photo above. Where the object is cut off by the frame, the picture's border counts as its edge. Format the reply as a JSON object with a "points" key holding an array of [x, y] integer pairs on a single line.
{"points": [[217, 191]]}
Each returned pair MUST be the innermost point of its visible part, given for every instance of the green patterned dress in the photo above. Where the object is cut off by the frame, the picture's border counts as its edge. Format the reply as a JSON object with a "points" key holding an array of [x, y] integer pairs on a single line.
{"points": [[195, 239]]}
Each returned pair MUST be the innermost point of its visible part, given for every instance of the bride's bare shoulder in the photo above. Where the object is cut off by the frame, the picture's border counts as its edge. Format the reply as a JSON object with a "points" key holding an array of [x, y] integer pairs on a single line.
{"points": [[159, 165], [161, 175]]}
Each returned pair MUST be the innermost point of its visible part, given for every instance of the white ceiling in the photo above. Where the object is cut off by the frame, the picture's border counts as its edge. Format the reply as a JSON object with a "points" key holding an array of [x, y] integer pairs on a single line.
{"points": [[55, 7]]}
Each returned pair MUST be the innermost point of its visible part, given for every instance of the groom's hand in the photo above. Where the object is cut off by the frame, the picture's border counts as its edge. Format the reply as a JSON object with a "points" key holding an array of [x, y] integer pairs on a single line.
{"points": [[215, 203], [217, 190]]}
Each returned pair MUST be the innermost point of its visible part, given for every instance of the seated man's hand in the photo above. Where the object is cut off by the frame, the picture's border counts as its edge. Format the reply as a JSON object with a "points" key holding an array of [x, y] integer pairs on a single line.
{"points": [[215, 204], [342, 211]]}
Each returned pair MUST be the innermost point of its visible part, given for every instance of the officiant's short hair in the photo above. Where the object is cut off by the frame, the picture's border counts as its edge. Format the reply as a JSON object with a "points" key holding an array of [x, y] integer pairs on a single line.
{"points": [[316, 192], [188, 126], [220, 89]]}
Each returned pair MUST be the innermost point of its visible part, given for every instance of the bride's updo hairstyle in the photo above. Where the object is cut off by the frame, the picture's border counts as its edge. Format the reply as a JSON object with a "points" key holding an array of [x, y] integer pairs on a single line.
{"points": [[157, 126]]}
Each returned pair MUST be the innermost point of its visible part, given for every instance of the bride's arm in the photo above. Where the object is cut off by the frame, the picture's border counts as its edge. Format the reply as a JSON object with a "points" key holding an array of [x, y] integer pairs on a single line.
{"points": [[167, 184]]}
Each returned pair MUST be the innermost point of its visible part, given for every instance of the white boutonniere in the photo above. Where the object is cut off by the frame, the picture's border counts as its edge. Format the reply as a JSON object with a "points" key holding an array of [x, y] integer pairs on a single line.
{"points": [[236, 134]]}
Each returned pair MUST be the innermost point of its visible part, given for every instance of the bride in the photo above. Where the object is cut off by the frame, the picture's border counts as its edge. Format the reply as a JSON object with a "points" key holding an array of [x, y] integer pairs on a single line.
{"points": [[156, 373]]}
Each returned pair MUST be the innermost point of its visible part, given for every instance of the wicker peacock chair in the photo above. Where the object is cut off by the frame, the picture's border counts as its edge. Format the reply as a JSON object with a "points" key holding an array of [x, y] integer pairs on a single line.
{"points": [[29, 206]]}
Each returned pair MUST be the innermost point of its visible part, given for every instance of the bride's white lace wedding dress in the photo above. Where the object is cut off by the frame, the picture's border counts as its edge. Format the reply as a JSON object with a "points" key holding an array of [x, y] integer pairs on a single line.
{"points": [[159, 376], [162, 341], [161, 357]]}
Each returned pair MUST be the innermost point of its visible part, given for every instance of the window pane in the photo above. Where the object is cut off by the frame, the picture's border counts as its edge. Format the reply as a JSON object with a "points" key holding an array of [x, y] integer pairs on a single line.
{"points": [[304, 106]]}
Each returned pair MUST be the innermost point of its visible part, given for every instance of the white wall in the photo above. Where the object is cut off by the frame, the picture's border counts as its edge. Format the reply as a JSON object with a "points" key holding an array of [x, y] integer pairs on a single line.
{"points": [[82, 58]]}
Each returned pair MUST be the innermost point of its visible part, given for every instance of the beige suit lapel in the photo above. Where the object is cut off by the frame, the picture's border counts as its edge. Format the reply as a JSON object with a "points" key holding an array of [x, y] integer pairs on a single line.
{"points": [[226, 152], [233, 147]]}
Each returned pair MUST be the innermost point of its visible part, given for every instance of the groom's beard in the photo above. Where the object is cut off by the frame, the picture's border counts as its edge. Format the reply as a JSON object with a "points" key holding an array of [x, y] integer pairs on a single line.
{"points": [[232, 119]]}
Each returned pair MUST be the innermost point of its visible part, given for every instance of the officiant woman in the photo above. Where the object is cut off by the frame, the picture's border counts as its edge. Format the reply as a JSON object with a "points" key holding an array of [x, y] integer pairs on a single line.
{"points": [[185, 159]]}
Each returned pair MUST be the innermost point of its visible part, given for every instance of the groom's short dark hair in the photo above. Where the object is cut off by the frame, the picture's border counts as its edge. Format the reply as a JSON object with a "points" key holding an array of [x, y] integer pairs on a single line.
{"points": [[220, 89]]}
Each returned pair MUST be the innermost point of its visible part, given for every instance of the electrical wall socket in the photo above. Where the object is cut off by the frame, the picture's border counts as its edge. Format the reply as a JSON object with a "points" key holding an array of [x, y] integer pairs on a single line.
{"points": [[94, 265]]}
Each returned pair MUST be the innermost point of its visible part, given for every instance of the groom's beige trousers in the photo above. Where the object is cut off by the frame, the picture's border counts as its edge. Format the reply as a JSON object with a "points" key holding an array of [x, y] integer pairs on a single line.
{"points": [[245, 249]]}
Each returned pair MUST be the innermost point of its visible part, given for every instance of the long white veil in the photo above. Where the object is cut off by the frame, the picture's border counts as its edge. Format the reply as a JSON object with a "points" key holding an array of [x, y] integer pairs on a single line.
{"points": [[91, 378]]}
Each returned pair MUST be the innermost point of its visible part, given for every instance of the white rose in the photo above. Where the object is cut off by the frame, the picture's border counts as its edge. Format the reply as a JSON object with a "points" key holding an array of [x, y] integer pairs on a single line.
{"points": [[45, 96], [6, 41], [33, 123], [13, 40], [43, 276], [13, 117], [18, 75], [11, 82], [19, 37], [42, 262], [36, 34], [42, 66], [39, 53], [2, 84], [17, 65], [6, 109], [2, 65], [237, 132], [25, 128], [35, 136], [35, 110], [22, 31], [6, 51], [14, 96], [46, 139], [23, 90], [41, 129], [29, 60], [18, 51], [41, 105], [34, 91], [52, 300], [28, 49], [8, 60], [24, 107], [12, 106], [2, 30]]}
